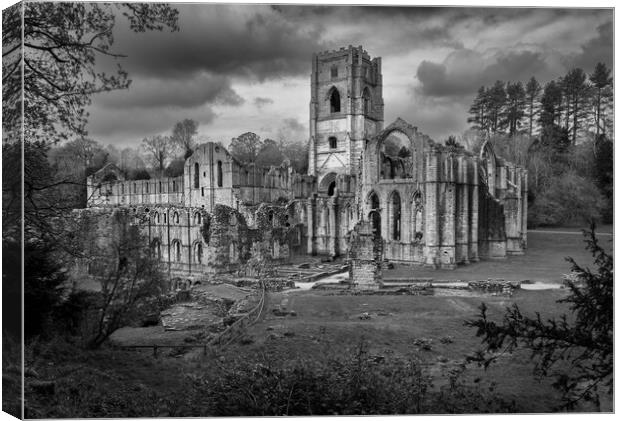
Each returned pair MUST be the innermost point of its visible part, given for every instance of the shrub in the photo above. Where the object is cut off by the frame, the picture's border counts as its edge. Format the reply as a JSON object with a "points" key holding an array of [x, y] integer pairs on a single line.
{"points": [[570, 199]]}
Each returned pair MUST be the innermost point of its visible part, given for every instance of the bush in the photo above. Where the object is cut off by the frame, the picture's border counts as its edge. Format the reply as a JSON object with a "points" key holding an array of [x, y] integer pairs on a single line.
{"points": [[361, 384], [570, 199]]}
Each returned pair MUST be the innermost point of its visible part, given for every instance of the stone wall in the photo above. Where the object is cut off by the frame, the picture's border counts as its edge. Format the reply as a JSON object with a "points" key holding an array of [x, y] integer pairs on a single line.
{"points": [[365, 251]]}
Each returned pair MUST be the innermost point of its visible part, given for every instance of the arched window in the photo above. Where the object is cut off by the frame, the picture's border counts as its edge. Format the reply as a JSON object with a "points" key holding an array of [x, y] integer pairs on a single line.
{"points": [[333, 142], [156, 248], [164, 218], [176, 249], [331, 189], [375, 214], [367, 102], [334, 101], [174, 186], [156, 217], [196, 175], [219, 173], [160, 189], [176, 217], [197, 218], [147, 186], [198, 253], [395, 216]]}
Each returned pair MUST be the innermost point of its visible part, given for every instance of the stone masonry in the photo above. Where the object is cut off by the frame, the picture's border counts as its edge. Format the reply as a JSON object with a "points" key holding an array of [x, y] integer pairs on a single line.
{"points": [[424, 203]]}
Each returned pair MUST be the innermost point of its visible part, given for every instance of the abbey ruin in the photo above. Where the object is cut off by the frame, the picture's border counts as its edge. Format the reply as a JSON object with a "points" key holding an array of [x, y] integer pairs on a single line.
{"points": [[424, 203]]}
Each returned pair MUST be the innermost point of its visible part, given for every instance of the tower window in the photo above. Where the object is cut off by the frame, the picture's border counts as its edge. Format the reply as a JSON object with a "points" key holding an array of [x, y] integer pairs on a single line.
{"points": [[196, 175], [334, 101], [334, 72], [333, 142], [367, 103]]}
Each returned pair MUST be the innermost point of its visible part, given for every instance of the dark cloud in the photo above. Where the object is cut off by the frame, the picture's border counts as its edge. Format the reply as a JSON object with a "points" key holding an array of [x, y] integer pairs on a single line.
{"points": [[598, 49], [183, 93], [260, 102], [121, 126], [464, 71], [248, 41]]}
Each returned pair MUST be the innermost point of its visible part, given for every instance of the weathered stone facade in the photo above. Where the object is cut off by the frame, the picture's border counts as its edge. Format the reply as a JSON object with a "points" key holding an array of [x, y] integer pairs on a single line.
{"points": [[425, 202]]}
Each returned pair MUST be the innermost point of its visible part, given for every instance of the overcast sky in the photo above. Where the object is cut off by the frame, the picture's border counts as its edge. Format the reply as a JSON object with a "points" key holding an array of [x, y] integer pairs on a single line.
{"points": [[238, 68]]}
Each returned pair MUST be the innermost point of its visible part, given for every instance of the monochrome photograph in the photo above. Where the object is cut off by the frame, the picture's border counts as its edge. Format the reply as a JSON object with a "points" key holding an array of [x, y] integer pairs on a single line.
{"points": [[309, 209]]}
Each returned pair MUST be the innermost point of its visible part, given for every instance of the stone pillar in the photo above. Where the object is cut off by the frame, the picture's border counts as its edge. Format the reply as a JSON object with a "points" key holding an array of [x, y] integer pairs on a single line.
{"points": [[365, 257], [462, 212], [473, 210], [333, 228], [524, 209], [447, 212], [310, 233], [431, 215]]}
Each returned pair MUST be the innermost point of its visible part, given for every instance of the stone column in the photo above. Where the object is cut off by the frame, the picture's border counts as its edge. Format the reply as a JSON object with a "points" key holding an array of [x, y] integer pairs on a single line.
{"points": [[431, 215], [462, 230], [447, 210], [333, 228], [473, 210], [524, 208], [310, 231]]}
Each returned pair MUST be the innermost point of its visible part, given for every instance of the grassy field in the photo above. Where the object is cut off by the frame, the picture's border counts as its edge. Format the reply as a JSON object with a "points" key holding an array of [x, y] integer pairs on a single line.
{"points": [[430, 328], [331, 325], [543, 261]]}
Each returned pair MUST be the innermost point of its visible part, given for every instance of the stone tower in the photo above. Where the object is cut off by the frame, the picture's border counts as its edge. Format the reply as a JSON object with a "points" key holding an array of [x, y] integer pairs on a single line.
{"points": [[346, 108]]}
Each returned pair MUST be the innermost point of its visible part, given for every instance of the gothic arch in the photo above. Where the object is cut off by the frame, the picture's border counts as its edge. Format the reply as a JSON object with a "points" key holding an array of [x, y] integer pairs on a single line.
{"points": [[367, 101], [395, 215], [335, 100], [156, 247], [175, 250], [487, 169], [374, 212], [327, 181], [198, 251]]}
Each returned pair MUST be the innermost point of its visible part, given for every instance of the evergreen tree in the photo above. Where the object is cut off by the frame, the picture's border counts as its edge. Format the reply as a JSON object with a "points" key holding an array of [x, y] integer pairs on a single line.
{"points": [[575, 97], [515, 107], [532, 94], [601, 80], [496, 103], [479, 110]]}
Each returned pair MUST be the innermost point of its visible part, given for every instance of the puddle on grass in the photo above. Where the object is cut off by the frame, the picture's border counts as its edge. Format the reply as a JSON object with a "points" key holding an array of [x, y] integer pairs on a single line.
{"points": [[442, 288], [333, 279], [541, 285]]}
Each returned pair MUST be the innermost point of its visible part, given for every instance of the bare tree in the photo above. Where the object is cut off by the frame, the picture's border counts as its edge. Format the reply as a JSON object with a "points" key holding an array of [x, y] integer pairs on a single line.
{"points": [[183, 136], [159, 149], [114, 251]]}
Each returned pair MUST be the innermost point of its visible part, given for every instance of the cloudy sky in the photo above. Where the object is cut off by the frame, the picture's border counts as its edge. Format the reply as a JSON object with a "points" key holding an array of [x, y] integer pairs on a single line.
{"points": [[238, 68]]}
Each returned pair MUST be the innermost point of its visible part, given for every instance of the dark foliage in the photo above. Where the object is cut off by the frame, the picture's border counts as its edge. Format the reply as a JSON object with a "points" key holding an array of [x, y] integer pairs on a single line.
{"points": [[355, 385], [175, 168], [577, 350]]}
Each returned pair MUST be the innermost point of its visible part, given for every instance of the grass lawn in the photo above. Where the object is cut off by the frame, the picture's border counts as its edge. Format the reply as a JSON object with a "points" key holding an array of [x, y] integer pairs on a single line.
{"points": [[543, 261], [136, 384], [330, 325]]}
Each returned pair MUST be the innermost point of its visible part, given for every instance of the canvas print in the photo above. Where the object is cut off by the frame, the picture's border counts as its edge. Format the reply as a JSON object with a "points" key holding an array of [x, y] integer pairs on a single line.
{"points": [[215, 210]]}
